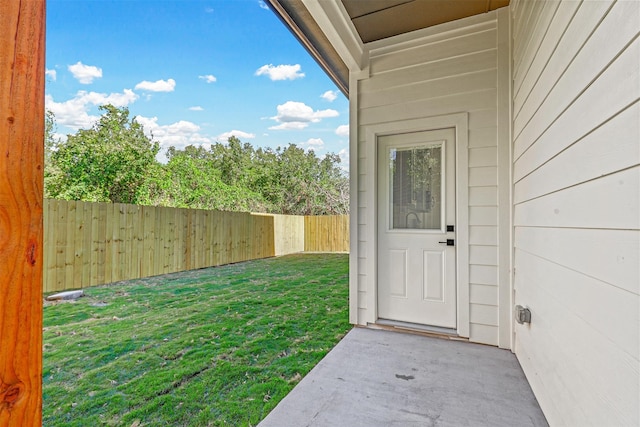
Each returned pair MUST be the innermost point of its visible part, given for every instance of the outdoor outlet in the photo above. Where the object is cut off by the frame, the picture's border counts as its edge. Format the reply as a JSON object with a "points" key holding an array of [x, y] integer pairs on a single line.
{"points": [[523, 314]]}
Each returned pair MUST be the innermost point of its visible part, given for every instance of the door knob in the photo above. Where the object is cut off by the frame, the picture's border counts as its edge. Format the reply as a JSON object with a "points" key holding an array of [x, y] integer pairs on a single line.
{"points": [[449, 242]]}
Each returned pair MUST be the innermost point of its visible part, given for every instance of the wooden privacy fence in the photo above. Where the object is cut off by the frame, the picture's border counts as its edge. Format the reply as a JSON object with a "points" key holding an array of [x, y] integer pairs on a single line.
{"points": [[328, 233], [88, 244]]}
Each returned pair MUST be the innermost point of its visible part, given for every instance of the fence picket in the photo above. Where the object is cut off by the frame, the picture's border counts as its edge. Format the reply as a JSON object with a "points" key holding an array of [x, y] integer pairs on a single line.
{"points": [[88, 244]]}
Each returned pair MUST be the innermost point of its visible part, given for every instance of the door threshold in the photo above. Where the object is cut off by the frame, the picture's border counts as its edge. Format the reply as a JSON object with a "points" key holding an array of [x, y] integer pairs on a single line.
{"points": [[416, 328]]}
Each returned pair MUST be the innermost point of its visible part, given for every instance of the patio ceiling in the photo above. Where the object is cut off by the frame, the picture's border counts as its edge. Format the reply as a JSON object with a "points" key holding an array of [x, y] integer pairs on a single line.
{"points": [[369, 21], [379, 19]]}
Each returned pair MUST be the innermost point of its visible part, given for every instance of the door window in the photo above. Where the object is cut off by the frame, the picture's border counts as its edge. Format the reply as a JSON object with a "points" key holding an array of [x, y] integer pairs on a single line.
{"points": [[415, 175]]}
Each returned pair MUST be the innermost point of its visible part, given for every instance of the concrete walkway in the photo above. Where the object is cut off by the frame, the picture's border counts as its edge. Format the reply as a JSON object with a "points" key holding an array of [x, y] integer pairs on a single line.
{"points": [[382, 378]]}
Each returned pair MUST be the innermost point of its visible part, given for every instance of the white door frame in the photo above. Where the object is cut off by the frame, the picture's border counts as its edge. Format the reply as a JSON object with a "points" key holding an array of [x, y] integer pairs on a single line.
{"points": [[459, 121]]}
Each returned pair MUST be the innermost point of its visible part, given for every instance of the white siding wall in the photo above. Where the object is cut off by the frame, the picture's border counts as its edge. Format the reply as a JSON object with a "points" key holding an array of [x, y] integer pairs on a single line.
{"points": [[576, 85], [444, 72]]}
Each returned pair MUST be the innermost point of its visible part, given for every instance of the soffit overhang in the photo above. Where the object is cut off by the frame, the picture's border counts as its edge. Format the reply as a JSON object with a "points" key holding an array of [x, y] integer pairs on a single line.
{"points": [[337, 32], [294, 14], [380, 19]]}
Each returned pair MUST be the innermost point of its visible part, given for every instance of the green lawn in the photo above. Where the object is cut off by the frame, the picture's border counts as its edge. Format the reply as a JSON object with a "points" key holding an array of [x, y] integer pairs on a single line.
{"points": [[218, 346]]}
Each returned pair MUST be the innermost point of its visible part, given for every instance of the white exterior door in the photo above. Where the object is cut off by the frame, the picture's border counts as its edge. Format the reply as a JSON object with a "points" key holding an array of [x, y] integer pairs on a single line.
{"points": [[416, 203]]}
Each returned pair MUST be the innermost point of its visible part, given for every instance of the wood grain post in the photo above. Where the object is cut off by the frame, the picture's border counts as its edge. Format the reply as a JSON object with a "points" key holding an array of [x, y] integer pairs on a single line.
{"points": [[22, 69]]}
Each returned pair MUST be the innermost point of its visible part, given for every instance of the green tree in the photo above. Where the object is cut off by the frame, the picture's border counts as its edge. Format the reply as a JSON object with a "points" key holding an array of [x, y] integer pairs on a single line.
{"points": [[50, 140], [234, 160], [190, 179], [236, 176], [308, 185], [112, 161], [115, 161], [50, 145]]}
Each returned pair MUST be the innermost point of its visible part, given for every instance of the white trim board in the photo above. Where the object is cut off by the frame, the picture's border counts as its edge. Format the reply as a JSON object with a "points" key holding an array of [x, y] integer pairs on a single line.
{"points": [[505, 183]]}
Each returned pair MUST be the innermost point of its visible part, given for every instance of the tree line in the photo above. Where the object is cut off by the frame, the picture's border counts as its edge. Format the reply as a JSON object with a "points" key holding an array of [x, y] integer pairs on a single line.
{"points": [[114, 161]]}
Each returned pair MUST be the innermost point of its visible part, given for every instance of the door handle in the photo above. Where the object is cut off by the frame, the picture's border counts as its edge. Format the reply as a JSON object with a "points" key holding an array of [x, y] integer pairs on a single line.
{"points": [[449, 242]]}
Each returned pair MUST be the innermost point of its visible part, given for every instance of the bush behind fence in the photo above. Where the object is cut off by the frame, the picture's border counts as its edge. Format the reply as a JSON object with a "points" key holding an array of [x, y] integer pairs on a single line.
{"points": [[88, 244]]}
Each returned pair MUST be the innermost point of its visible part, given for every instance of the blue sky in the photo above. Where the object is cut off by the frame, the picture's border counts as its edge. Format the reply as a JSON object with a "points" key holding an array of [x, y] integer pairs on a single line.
{"points": [[192, 72]]}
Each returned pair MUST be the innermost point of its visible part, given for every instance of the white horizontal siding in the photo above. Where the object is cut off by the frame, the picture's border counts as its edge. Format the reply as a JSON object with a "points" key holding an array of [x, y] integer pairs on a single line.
{"points": [[487, 156], [481, 119], [610, 202], [437, 75], [483, 196], [483, 235], [467, 44], [614, 33], [593, 156], [558, 58], [436, 88], [576, 199], [612, 255], [483, 177], [483, 215], [486, 334], [599, 379], [486, 275], [613, 91], [483, 137], [524, 81], [476, 99], [483, 294], [533, 43]]}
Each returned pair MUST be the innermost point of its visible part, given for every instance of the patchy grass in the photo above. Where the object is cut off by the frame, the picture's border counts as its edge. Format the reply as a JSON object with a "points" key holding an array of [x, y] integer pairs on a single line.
{"points": [[212, 347]]}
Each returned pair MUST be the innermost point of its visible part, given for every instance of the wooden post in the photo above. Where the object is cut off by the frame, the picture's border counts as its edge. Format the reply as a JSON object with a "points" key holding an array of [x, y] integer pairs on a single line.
{"points": [[21, 180]]}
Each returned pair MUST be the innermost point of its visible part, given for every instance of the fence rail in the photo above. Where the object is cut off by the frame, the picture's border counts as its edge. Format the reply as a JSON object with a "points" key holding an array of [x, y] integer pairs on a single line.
{"points": [[88, 244]]}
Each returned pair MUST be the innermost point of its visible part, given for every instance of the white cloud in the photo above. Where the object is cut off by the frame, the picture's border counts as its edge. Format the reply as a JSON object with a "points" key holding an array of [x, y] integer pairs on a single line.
{"points": [[313, 144], [344, 159], [263, 5], [52, 74], [208, 9], [297, 115], [157, 86], [196, 108], [74, 113], [280, 72], [342, 130], [224, 137], [85, 73], [290, 126], [178, 134], [62, 137], [330, 95], [209, 78]]}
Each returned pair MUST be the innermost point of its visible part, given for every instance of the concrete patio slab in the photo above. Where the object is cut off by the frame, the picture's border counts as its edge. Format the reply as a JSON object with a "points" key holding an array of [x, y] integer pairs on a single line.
{"points": [[383, 378]]}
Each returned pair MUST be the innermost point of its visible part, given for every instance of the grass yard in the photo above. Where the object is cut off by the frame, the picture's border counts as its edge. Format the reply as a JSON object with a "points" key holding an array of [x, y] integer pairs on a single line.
{"points": [[212, 347]]}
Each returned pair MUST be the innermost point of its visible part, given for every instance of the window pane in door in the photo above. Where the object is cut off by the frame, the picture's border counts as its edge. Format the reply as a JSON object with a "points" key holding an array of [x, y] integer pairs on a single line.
{"points": [[415, 175]]}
